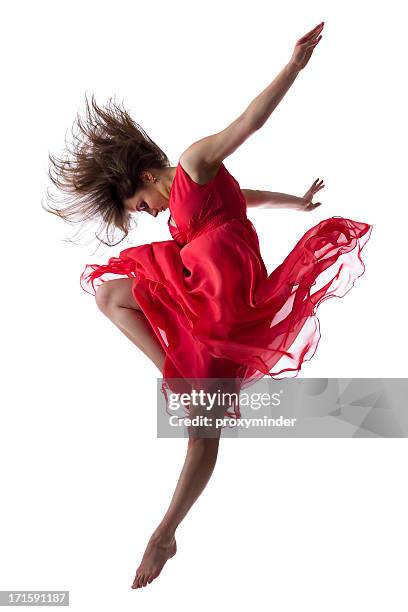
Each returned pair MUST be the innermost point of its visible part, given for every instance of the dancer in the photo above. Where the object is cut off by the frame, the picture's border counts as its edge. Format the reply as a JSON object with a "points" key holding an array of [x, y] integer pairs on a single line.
{"points": [[201, 304]]}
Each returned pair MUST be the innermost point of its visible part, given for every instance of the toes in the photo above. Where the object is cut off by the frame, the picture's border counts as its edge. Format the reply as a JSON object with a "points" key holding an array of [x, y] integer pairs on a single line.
{"points": [[136, 581]]}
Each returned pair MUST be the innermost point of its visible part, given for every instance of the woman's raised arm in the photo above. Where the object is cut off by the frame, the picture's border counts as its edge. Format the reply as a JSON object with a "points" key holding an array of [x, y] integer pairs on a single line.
{"points": [[203, 157], [263, 105]]}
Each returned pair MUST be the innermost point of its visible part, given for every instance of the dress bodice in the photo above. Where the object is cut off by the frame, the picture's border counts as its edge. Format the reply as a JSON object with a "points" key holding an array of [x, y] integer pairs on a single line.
{"points": [[196, 208]]}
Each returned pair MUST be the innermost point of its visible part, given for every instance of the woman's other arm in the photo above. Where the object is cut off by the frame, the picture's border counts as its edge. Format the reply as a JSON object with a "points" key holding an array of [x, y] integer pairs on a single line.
{"points": [[274, 199]]}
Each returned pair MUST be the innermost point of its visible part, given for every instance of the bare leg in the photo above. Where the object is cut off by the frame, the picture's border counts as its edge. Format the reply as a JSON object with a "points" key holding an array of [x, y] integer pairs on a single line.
{"points": [[115, 299], [197, 469]]}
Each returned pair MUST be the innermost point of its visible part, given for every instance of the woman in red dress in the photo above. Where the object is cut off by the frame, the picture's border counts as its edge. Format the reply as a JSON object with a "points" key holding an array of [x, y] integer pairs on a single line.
{"points": [[202, 305]]}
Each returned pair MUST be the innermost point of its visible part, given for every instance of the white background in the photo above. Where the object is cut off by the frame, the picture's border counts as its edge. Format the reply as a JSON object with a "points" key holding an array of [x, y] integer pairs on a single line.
{"points": [[283, 524]]}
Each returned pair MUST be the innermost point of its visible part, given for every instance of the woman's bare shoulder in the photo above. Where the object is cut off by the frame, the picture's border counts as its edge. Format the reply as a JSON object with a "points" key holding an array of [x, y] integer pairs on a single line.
{"points": [[198, 171]]}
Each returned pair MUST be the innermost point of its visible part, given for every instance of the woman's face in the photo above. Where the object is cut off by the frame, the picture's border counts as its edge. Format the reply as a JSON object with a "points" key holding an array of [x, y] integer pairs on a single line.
{"points": [[148, 198]]}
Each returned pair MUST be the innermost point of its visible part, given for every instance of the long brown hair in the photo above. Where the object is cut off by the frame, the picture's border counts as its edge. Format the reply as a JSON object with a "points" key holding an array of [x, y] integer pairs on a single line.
{"points": [[101, 167]]}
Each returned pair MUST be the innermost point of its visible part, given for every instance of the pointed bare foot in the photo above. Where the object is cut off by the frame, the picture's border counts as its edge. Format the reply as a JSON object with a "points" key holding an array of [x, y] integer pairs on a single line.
{"points": [[159, 549]]}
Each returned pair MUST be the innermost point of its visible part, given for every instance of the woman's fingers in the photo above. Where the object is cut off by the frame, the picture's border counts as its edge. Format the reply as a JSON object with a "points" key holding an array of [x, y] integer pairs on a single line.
{"points": [[313, 43], [309, 45], [315, 35], [318, 184], [312, 206], [312, 32]]}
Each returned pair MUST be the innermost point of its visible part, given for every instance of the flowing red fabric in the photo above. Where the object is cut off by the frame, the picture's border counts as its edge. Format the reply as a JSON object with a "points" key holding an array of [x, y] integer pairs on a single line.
{"points": [[209, 299]]}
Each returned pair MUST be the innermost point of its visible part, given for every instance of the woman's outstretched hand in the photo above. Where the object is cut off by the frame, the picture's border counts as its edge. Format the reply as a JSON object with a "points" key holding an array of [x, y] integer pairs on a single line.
{"points": [[307, 200], [304, 47]]}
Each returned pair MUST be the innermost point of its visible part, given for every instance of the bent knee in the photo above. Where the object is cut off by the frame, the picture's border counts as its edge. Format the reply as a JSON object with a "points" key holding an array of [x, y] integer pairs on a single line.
{"points": [[105, 296], [113, 293]]}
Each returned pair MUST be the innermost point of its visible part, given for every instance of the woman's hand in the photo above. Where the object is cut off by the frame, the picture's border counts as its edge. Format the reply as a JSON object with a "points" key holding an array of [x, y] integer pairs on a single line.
{"points": [[307, 203], [304, 47]]}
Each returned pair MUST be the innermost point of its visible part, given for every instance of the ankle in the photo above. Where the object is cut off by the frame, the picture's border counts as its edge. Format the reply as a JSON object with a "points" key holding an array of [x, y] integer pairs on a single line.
{"points": [[163, 536]]}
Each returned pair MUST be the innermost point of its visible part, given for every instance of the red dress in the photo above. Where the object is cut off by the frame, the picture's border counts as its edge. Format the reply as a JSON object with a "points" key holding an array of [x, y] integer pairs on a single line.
{"points": [[207, 294]]}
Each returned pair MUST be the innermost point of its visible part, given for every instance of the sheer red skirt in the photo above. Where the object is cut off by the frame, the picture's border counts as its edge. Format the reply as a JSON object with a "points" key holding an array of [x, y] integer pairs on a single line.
{"points": [[218, 314]]}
